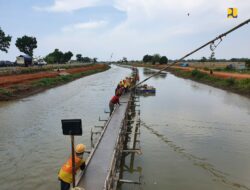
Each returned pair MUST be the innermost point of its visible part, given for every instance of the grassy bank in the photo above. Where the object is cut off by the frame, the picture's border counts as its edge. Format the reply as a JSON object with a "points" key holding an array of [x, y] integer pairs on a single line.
{"points": [[241, 86], [48, 82], [25, 89], [35, 69]]}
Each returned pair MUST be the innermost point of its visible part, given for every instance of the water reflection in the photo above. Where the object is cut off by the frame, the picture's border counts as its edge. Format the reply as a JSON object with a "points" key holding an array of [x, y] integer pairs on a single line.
{"points": [[200, 162], [229, 98], [32, 147], [148, 72], [145, 95], [194, 137]]}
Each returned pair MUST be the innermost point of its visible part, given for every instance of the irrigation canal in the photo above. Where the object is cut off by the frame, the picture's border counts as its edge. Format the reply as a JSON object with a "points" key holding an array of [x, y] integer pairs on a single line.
{"points": [[192, 136]]}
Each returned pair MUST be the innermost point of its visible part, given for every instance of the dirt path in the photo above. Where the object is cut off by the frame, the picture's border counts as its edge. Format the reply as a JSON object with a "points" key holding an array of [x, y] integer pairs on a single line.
{"points": [[17, 79], [230, 75], [23, 85], [217, 74]]}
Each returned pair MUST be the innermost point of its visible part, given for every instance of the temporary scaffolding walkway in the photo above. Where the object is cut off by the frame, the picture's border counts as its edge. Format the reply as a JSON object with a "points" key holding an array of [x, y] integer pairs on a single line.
{"points": [[98, 171]]}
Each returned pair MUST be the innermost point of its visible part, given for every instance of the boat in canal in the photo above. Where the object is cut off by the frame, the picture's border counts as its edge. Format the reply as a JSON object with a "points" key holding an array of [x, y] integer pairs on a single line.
{"points": [[145, 89]]}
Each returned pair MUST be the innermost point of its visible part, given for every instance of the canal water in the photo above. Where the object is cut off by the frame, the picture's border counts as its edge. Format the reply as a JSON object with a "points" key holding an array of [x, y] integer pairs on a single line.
{"points": [[192, 136], [32, 147]]}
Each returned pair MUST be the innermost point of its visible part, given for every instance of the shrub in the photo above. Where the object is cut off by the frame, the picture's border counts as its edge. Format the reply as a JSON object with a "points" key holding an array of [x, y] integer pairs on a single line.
{"points": [[45, 82], [5, 92], [197, 74], [230, 81], [244, 83], [194, 72], [206, 69]]}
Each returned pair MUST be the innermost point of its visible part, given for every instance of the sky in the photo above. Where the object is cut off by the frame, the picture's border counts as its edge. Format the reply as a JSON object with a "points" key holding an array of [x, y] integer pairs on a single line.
{"points": [[126, 28]]}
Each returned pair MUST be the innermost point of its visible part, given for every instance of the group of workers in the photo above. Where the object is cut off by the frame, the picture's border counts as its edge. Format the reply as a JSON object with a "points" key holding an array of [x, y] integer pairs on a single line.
{"points": [[122, 88], [65, 174]]}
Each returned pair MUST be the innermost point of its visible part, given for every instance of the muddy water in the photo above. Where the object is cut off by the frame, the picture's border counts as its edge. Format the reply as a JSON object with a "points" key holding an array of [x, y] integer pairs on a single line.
{"points": [[192, 137], [32, 147]]}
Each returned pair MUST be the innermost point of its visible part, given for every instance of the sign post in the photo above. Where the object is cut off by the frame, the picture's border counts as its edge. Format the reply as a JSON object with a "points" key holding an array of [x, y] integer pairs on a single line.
{"points": [[72, 127]]}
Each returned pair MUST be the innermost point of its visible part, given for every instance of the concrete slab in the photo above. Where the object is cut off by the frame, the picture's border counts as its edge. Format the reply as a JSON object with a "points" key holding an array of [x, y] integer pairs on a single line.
{"points": [[98, 168]]}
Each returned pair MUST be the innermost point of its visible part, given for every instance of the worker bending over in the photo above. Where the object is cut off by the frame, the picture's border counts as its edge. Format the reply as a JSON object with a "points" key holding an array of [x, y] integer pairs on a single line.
{"points": [[115, 100], [65, 173], [119, 89]]}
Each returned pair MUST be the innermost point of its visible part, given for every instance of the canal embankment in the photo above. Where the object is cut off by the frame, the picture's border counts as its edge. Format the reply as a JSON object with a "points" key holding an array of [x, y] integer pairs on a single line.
{"points": [[193, 136], [17, 86], [31, 136], [233, 82]]}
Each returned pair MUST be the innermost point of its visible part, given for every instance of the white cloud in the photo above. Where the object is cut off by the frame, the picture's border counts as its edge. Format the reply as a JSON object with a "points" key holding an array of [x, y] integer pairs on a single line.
{"points": [[150, 26], [67, 5], [84, 26], [174, 12], [160, 26]]}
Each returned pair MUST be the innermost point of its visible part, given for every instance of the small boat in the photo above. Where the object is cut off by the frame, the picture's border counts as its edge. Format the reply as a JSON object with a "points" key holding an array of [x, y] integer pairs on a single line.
{"points": [[145, 89]]}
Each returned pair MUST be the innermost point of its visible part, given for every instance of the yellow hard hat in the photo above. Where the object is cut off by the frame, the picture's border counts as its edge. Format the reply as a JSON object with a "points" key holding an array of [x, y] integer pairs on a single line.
{"points": [[80, 148]]}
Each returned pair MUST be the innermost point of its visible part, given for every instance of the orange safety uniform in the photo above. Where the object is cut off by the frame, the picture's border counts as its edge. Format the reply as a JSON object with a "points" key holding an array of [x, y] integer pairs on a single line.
{"points": [[65, 173]]}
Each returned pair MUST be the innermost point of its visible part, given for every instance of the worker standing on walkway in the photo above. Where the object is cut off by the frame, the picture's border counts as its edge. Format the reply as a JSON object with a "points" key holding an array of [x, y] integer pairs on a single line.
{"points": [[115, 100], [118, 89], [65, 173]]}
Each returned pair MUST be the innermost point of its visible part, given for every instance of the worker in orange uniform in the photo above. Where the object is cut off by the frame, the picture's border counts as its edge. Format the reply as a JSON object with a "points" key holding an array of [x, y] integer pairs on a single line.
{"points": [[65, 173], [115, 100]]}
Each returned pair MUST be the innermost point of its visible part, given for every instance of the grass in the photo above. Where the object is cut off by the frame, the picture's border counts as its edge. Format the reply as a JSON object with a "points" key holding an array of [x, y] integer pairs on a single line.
{"points": [[35, 69], [45, 83], [197, 74], [244, 84], [48, 82], [5, 92], [241, 86], [245, 71]]}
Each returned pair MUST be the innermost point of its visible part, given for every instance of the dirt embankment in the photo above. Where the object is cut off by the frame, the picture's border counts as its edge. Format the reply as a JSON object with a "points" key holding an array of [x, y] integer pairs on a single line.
{"points": [[219, 74], [215, 73], [22, 85], [234, 82]]}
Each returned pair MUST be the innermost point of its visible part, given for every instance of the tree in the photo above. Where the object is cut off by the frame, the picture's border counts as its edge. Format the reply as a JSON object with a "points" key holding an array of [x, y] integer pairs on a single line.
{"points": [[67, 56], [163, 60], [156, 58], [147, 58], [4, 41], [203, 59], [58, 55], [50, 59], [95, 60], [26, 44], [124, 60], [212, 56], [86, 60], [55, 57], [79, 57], [248, 63]]}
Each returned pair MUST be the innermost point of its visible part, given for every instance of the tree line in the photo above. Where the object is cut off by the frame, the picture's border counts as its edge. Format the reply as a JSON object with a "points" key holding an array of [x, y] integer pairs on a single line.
{"points": [[27, 44], [156, 58], [58, 56]]}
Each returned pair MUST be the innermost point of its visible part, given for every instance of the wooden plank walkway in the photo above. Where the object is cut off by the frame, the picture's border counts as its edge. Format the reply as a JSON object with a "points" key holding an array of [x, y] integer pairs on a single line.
{"points": [[98, 167]]}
